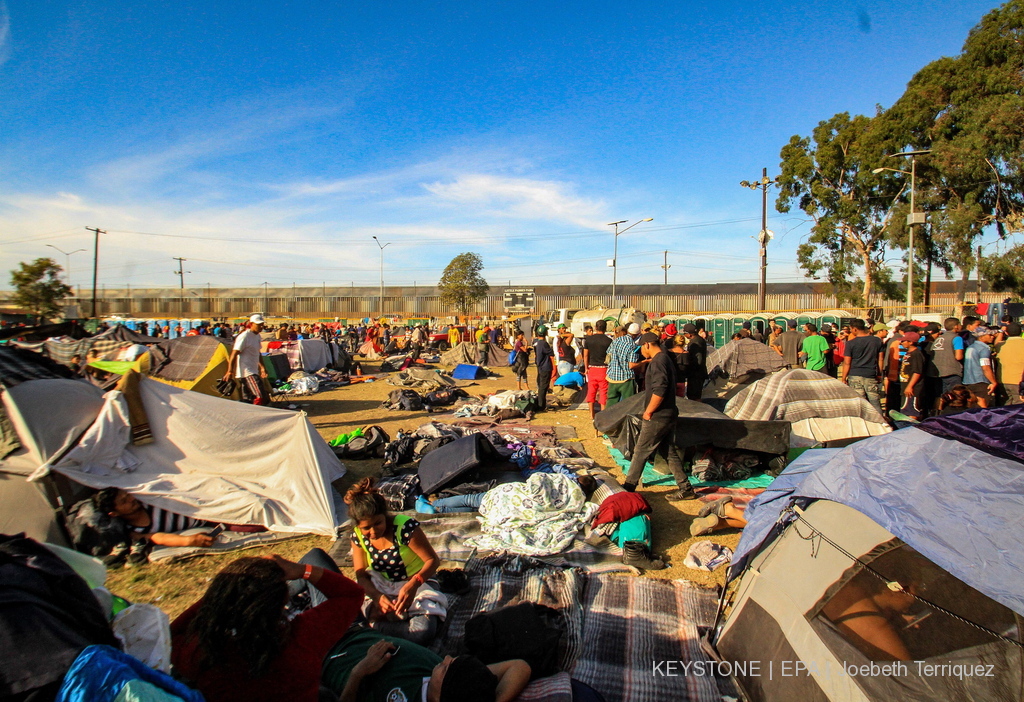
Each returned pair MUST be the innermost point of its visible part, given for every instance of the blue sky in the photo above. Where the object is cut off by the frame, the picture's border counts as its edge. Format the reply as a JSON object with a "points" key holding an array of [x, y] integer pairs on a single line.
{"points": [[269, 141]]}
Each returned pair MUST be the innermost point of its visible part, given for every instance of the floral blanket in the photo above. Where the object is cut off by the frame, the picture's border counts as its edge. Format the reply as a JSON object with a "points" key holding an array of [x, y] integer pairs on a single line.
{"points": [[539, 517]]}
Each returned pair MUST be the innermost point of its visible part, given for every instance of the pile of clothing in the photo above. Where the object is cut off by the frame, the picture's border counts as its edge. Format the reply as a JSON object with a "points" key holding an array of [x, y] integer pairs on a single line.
{"points": [[423, 379], [411, 401], [508, 404], [713, 465]]}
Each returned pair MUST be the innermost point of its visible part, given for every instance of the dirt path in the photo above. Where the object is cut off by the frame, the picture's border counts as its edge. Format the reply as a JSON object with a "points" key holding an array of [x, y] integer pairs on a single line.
{"points": [[174, 587]]}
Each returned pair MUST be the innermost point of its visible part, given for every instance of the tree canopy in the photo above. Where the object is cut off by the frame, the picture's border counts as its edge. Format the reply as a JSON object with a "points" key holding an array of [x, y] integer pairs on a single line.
{"points": [[968, 112], [38, 288], [461, 284]]}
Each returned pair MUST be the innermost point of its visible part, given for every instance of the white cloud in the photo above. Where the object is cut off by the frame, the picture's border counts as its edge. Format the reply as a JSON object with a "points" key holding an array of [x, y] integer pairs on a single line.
{"points": [[521, 198]]}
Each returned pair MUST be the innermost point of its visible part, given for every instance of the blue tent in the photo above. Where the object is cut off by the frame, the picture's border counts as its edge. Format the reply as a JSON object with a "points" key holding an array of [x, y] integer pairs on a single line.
{"points": [[951, 488]]}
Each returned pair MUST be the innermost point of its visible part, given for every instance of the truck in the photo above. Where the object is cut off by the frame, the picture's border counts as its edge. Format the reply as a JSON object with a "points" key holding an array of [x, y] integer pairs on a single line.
{"points": [[577, 320]]}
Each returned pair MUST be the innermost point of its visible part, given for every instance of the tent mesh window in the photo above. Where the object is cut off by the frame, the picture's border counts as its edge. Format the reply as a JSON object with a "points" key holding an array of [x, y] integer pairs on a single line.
{"points": [[861, 619]]}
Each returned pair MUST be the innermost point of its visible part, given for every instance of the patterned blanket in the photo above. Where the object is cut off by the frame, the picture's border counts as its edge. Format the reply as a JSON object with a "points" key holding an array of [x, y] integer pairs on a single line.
{"points": [[799, 394], [743, 356], [632, 624], [539, 517], [617, 628]]}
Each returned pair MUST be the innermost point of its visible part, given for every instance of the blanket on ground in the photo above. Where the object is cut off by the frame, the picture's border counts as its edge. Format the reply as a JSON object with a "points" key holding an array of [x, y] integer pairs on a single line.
{"points": [[425, 379], [539, 517], [632, 623]]}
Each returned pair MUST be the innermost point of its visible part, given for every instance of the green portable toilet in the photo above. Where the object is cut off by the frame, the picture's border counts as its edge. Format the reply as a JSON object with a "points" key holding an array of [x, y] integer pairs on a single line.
{"points": [[762, 323], [837, 318], [703, 321], [782, 320], [807, 318], [737, 322], [722, 329]]}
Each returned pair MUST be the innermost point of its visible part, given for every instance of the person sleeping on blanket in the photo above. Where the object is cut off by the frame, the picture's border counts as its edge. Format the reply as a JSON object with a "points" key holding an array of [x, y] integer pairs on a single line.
{"points": [[393, 561]]}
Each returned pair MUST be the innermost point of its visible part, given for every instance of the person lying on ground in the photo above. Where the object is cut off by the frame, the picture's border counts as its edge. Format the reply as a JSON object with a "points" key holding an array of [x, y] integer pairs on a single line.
{"points": [[237, 644], [370, 667], [393, 561], [472, 501], [716, 516], [145, 522]]}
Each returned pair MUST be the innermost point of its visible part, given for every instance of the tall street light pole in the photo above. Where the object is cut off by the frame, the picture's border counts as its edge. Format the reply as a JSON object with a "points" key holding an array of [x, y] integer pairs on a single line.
{"points": [[914, 219], [381, 247], [67, 262], [615, 250], [764, 236]]}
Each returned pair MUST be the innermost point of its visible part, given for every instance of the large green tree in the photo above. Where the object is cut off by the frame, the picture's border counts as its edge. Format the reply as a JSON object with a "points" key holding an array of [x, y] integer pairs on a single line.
{"points": [[969, 111], [38, 287], [461, 284], [829, 176]]}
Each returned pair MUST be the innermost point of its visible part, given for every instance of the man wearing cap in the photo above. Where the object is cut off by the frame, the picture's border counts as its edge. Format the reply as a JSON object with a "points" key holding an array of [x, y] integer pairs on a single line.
{"points": [[912, 369], [1010, 357], [367, 666], [658, 428], [978, 373], [244, 363], [695, 362], [788, 345], [945, 356], [862, 364], [623, 358]]}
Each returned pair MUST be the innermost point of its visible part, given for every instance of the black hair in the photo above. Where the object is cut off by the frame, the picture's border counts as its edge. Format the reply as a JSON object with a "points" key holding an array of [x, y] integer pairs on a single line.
{"points": [[601, 326], [365, 501], [104, 500], [859, 324]]}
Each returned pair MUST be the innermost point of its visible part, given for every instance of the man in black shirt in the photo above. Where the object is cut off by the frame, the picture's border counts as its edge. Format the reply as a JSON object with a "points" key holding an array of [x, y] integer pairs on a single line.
{"points": [[543, 356], [595, 366], [658, 429], [695, 362], [862, 364]]}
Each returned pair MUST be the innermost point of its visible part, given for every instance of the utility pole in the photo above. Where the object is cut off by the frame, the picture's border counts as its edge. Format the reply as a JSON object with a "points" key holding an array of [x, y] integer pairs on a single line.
{"points": [[764, 236], [382, 247], [181, 280], [978, 276], [665, 267], [95, 264]]}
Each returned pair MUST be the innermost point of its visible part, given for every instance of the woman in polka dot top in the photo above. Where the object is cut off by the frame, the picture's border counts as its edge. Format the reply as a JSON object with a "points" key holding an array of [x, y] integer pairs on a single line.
{"points": [[394, 562]]}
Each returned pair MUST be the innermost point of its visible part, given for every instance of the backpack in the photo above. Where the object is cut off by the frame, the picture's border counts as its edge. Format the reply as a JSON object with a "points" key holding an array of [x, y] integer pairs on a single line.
{"points": [[512, 357], [370, 445], [527, 630]]}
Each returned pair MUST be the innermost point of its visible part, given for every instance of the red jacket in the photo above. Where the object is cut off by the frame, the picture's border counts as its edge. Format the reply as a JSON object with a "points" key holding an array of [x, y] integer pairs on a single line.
{"points": [[294, 675]]}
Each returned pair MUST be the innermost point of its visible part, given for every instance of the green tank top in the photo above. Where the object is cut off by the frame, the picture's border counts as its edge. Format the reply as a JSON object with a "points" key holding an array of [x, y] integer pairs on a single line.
{"points": [[401, 678], [413, 563]]}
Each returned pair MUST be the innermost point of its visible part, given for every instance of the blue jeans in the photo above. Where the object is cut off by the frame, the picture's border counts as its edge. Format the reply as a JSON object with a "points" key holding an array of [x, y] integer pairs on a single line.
{"points": [[316, 557], [459, 503]]}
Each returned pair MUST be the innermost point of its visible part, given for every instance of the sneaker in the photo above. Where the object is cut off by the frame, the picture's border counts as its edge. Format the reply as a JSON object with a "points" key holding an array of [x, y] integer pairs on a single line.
{"points": [[117, 556], [139, 553], [423, 506], [629, 487], [686, 493], [636, 554]]}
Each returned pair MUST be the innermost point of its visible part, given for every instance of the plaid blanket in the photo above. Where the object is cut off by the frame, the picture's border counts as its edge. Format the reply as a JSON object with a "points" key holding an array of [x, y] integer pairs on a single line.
{"points": [[633, 623], [799, 394], [184, 358], [503, 580], [743, 356]]}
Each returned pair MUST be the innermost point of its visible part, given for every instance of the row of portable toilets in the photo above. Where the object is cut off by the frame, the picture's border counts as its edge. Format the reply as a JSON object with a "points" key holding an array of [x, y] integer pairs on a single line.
{"points": [[723, 326], [151, 325]]}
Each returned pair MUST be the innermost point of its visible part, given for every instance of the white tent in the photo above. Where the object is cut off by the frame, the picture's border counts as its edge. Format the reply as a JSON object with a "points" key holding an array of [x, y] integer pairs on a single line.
{"points": [[210, 458]]}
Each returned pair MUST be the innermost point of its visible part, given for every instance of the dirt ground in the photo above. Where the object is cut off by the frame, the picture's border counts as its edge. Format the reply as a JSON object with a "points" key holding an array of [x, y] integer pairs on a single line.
{"points": [[174, 587]]}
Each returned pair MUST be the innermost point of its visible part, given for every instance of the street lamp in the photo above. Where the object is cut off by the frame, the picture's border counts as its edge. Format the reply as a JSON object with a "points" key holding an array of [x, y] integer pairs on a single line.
{"points": [[615, 254], [67, 261], [381, 247], [914, 219], [764, 236]]}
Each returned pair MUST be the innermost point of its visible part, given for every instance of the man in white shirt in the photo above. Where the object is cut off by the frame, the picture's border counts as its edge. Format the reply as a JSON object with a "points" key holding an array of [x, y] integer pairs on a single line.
{"points": [[245, 364]]}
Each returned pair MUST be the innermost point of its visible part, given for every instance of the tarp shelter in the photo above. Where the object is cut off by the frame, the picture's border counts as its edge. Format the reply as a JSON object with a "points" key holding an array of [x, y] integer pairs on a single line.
{"points": [[743, 357], [466, 353], [922, 507], [820, 408], [39, 434], [18, 365], [209, 459], [192, 363], [72, 330], [699, 424]]}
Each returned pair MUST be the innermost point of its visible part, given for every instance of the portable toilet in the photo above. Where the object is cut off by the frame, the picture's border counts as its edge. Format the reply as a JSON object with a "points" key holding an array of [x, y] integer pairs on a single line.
{"points": [[837, 318], [737, 322], [703, 321], [722, 329], [782, 320], [807, 318], [761, 323]]}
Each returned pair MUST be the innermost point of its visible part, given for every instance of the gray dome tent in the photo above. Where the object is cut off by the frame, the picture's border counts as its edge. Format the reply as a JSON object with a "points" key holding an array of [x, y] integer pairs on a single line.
{"points": [[936, 509]]}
